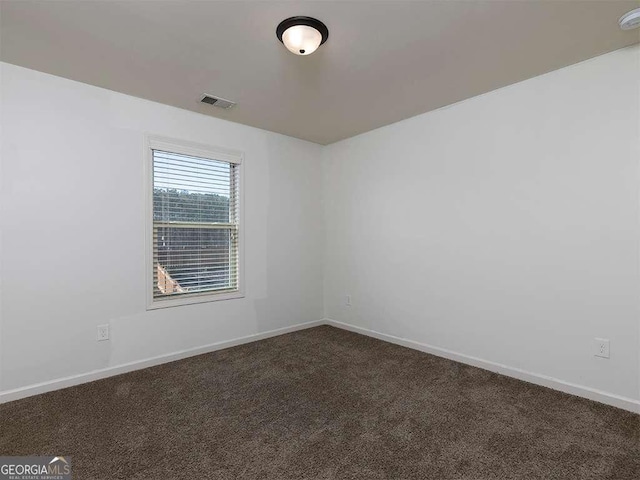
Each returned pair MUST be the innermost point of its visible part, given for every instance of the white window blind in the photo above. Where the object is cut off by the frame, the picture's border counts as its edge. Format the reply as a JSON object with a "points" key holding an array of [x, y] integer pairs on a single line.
{"points": [[195, 239]]}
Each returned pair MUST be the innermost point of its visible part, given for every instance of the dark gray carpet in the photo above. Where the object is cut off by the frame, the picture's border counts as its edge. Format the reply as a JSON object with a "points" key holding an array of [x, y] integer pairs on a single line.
{"points": [[322, 404]]}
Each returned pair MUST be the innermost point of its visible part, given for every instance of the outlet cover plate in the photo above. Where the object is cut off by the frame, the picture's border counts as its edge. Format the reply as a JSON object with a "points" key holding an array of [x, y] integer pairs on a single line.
{"points": [[601, 347], [103, 333]]}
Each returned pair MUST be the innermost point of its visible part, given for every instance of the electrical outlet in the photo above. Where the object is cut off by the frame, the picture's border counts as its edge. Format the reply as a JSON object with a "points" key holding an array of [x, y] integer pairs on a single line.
{"points": [[601, 347], [103, 333], [348, 301]]}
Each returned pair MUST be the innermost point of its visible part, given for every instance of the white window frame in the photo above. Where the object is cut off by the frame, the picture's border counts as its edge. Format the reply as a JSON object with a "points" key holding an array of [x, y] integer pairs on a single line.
{"points": [[154, 142]]}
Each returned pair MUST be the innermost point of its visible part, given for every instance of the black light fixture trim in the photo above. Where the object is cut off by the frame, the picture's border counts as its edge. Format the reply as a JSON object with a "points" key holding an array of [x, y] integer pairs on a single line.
{"points": [[307, 21]]}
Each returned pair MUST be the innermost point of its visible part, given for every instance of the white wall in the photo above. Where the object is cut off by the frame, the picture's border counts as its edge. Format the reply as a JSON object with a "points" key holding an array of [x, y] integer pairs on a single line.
{"points": [[73, 252], [505, 227]]}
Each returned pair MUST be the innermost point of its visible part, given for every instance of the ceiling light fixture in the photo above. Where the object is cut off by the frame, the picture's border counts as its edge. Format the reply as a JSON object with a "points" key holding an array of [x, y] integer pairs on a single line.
{"points": [[630, 20], [302, 35]]}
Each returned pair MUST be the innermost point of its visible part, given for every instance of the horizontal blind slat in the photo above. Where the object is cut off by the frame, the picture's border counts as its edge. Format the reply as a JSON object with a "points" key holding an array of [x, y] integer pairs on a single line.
{"points": [[195, 225], [180, 159]]}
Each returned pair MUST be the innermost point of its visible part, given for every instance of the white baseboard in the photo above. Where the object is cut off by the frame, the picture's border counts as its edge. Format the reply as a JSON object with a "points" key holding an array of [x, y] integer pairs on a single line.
{"points": [[625, 403], [59, 383]]}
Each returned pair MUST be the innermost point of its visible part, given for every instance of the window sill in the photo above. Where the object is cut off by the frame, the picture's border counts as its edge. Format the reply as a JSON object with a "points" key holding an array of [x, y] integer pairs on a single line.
{"points": [[193, 299]]}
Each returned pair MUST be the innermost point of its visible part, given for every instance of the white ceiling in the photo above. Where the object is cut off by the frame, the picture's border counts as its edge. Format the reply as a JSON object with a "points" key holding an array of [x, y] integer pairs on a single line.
{"points": [[384, 60]]}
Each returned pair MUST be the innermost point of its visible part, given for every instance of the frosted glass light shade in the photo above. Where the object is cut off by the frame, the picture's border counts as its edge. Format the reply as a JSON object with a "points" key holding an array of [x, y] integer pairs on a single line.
{"points": [[301, 39]]}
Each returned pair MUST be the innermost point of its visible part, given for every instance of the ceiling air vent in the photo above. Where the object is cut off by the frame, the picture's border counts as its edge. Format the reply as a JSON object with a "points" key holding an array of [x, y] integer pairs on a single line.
{"points": [[217, 101]]}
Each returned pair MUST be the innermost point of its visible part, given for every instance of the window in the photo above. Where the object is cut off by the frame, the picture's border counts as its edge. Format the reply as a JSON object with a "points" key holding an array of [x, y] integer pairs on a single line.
{"points": [[194, 230]]}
